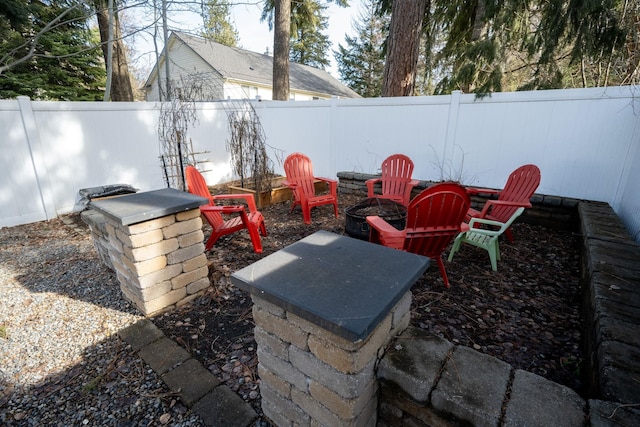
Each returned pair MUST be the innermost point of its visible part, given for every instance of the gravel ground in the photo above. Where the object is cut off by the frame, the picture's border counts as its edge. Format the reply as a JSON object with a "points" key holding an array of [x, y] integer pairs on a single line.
{"points": [[60, 360]]}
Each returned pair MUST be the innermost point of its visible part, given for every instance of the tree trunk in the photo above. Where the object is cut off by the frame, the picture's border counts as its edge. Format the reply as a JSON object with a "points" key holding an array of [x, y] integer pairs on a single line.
{"points": [[403, 47], [121, 89], [479, 21], [281, 35]]}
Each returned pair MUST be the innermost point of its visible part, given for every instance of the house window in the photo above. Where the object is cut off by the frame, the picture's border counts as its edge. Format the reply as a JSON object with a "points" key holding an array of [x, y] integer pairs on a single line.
{"points": [[249, 92]]}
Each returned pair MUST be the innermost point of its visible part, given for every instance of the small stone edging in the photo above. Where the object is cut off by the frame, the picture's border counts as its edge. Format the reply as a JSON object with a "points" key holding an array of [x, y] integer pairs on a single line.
{"points": [[197, 387], [426, 380]]}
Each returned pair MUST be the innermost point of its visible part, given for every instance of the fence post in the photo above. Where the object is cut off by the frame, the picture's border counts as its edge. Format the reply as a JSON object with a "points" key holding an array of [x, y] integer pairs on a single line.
{"points": [[450, 136], [37, 152], [333, 129]]}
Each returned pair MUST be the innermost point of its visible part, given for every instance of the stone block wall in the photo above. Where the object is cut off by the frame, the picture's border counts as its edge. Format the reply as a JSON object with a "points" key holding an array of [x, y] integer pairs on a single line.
{"points": [[160, 264], [428, 381], [610, 275], [310, 376], [549, 211]]}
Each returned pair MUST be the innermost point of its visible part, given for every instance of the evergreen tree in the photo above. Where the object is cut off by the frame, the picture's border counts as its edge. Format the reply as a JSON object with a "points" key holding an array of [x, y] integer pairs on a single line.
{"points": [[308, 45], [217, 26], [481, 46], [403, 47], [279, 15], [281, 39], [15, 13], [529, 44], [361, 61], [62, 63]]}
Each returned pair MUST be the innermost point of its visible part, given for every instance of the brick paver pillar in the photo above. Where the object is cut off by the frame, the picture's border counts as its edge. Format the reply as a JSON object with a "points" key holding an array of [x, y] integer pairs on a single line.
{"points": [[160, 262], [325, 309], [310, 376]]}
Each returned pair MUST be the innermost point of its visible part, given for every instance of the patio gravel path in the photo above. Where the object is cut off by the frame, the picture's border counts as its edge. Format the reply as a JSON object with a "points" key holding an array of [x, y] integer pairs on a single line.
{"points": [[61, 362]]}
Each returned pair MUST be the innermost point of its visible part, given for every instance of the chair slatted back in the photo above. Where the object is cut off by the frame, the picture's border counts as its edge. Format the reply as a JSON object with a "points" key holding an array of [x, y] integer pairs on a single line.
{"points": [[520, 186], [198, 186], [396, 171], [299, 170], [434, 217]]}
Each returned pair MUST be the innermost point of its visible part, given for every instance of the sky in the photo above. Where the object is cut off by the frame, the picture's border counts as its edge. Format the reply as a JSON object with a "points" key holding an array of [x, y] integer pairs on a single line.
{"points": [[256, 37]]}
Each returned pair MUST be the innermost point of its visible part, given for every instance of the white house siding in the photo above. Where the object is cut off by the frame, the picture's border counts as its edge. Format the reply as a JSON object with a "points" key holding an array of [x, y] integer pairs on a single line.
{"points": [[251, 91], [185, 64], [234, 90]]}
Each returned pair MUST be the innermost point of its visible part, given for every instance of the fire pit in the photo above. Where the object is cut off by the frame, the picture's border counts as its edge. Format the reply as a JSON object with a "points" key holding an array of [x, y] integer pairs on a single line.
{"points": [[356, 223]]}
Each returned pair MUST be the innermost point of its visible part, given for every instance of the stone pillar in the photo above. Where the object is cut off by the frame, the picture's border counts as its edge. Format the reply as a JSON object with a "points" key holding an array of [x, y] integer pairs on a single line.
{"points": [[325, 309], [155, 244], [160, 263], [310, 376]]}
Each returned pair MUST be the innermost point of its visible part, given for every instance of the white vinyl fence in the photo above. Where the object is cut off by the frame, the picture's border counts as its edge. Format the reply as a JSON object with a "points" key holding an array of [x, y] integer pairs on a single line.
{"points": [[585, 141]]}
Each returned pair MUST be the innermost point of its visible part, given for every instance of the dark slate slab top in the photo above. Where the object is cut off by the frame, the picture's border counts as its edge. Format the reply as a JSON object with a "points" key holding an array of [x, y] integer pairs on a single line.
{"points": [[139, 207], [344, 285]]}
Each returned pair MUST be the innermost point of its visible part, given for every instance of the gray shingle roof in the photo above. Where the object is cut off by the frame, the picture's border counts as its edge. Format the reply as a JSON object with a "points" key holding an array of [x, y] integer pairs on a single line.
{"points": [[239, 64]]}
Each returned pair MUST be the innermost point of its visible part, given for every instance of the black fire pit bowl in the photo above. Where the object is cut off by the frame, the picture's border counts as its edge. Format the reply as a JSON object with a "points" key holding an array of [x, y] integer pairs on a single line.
{"points": [[356, 223]]}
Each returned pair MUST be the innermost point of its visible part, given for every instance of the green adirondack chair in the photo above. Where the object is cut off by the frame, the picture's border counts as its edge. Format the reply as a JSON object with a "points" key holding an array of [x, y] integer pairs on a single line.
{"points": [[486, 237]]}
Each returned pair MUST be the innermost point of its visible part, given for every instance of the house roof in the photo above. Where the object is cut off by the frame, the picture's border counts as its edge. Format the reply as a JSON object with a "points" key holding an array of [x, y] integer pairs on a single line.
{"points": [[251, 67]]}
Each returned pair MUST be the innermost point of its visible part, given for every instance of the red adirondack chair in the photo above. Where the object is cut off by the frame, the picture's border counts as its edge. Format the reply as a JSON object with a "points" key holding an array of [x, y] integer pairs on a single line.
{"points": [[434, 218], [300, 179], [517, 192], [395, 180], [253, 221]]}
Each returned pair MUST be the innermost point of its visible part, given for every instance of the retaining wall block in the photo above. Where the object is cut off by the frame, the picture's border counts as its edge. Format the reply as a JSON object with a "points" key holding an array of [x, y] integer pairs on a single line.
{"points": [[611, 414], [472, 387], [143, 268], [414, 362], [184, 254], [287, 331], [180, 228], [281, 410], [153, 224], [535, 401]]}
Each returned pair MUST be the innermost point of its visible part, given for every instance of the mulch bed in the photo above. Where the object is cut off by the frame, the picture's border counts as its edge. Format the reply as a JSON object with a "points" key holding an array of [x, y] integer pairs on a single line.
{"points": [[526, 314]]}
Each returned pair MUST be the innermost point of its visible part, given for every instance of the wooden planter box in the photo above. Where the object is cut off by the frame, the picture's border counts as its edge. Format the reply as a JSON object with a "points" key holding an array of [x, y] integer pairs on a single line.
{"points": [[278, 194]]}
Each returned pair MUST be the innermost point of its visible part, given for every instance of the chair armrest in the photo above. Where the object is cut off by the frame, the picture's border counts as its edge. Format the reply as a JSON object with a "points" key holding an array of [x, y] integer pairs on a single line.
{"points": [[390, 236], [490, 204], [370, 184], [476, 190], [289, 184], [517, 203], [327, 180], [474, 229], [246, 198], [381, 225], [333, 184], [222, 209]]}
